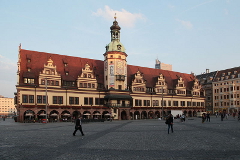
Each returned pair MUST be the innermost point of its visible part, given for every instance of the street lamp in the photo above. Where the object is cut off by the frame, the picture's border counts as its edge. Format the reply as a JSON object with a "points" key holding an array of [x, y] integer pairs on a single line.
{"points": [[162, 102], [46, 97]]}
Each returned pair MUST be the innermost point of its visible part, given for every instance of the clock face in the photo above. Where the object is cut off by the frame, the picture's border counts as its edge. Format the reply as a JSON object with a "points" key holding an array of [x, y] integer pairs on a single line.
{"points": [[120, 67], [119, 47]]}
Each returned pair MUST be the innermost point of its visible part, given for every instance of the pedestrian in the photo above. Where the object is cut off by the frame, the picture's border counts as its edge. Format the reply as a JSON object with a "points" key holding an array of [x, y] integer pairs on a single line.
{"points": [[183, 118], [222, 116], [203, 117], [208, 117], [226, 115], [78, 126], [169, 122]]}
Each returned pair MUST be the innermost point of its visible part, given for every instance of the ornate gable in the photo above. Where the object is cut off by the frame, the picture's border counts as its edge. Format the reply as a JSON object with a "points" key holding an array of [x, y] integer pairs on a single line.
{"points": [[161, 85], [50, 75], [87, 78], [180, 87], [196, 88], [138, 83]]}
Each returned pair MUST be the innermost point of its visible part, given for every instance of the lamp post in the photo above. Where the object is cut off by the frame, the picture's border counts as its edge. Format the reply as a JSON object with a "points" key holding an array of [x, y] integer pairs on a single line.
{"points": [[46, 97], [162, 102]]}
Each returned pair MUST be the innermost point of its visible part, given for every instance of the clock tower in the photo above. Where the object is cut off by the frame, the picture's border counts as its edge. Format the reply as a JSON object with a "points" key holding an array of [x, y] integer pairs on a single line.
{"points": [[115, 63]]}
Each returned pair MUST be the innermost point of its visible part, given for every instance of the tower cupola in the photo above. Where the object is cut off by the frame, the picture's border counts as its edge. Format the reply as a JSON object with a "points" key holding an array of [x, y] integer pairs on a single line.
{"points": [[115, 44]]}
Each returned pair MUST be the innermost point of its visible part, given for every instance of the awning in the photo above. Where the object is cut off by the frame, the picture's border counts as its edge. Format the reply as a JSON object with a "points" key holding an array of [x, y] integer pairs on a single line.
{"points": [[54, 114], [117, 96], [29, 114], [107, 114], [86, 114], [66, 114], [97, 114]]}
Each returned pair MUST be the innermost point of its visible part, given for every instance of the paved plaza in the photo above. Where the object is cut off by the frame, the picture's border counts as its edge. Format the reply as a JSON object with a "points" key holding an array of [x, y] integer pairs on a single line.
{"points": [[129, 139]]}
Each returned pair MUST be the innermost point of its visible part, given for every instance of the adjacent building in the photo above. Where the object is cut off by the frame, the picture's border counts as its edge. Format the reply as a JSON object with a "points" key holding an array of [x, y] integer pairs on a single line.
{"points": [[62, 87], [226, 90], [206, 81], [7, 107], [160, 65]]}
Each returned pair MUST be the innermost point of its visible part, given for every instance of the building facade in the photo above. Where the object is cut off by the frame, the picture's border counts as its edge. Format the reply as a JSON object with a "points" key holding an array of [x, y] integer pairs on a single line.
{"points": [[160, 65], [206, 81], [60, 87], [7, 107], [226, 90]]}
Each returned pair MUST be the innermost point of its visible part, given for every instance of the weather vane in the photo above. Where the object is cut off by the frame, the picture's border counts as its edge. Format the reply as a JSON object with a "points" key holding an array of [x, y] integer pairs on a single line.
{"points": [[115, 17]]}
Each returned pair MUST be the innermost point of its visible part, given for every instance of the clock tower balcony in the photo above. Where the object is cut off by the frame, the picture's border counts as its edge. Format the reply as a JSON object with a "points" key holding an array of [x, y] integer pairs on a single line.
{"points": [[120, 77]]}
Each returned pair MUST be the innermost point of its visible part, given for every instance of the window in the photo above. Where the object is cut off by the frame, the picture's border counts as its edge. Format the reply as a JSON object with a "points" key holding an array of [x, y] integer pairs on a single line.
{"points": [[88, 101], [183, 103], [57, 83], [146, 103], [120, 87], [31, 98], [189, 103], [25, 98], [155, 103], [163, 103], [175, 103], [29, 80], [99, 101], [76, 100], [138, 102], [39, 99], [73, 100], [57, 99], [169, 103]]}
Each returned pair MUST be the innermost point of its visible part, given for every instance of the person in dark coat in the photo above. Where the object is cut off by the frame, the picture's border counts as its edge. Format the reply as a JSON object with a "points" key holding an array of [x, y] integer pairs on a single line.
{"points": [[78, 126], [169, 122]]}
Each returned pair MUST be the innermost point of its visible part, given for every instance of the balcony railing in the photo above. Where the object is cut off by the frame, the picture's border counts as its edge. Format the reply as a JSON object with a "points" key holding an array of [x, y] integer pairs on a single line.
{"points": [[117, 105], [120, 77]]}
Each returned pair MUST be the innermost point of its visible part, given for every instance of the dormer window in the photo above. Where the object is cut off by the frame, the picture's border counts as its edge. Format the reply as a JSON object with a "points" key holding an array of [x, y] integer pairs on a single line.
{"points": [[29, 69], [65, 64], [229, 73], [111, 56], [235, 72], [28, 60], [47, 72], [223, 74], [67, 73]]}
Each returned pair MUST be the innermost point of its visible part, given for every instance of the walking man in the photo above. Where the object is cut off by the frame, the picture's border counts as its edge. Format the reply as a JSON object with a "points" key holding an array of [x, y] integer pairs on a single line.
{"points": [[208, 117], [169, 122], [78, 126]]}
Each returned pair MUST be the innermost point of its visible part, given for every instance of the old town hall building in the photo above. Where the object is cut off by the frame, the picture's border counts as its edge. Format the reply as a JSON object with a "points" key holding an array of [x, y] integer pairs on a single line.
{"points": [[64, 87]]}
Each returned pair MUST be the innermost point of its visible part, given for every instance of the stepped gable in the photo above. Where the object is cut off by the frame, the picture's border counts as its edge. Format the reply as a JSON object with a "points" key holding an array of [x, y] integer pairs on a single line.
{"points": [[74, 65], [151, 74]]}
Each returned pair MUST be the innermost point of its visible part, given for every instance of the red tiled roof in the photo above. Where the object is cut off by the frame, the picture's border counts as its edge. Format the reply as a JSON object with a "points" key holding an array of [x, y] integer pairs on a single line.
{"points": [[75, 65]]}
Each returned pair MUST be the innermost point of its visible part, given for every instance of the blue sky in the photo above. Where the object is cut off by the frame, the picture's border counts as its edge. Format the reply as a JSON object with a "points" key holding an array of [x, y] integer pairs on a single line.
{"points": [[191, 35]]}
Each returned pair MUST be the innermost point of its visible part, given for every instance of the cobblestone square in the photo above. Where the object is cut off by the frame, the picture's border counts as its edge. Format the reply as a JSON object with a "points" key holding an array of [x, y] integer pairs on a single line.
{"points": [[130, 139]]}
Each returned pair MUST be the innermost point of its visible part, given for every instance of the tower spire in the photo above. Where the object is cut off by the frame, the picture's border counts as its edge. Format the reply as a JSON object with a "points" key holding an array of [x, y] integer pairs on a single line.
{"points": [[115, 17]]}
